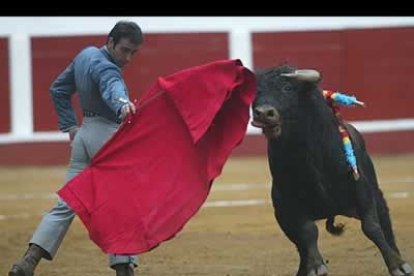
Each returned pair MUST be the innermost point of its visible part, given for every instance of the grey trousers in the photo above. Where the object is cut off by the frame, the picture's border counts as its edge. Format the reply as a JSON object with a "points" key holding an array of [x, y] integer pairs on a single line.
{"points": [[91, 136]]}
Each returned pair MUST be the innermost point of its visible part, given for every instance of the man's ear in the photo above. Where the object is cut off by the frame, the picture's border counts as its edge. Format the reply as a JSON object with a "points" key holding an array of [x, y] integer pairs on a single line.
{"points": [[111, 43]]}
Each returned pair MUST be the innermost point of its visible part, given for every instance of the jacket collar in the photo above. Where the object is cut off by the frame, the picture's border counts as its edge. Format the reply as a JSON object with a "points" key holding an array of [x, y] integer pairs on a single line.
{"points": [[105, 51]]}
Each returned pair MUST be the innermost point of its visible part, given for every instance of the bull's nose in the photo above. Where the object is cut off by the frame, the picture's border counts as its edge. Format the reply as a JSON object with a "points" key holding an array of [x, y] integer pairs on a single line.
{"points": [[266, 112]]}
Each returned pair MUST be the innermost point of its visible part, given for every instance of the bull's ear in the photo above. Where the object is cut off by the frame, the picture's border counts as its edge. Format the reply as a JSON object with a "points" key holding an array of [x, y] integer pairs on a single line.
{"points": [[259, 71], [309, 75]]}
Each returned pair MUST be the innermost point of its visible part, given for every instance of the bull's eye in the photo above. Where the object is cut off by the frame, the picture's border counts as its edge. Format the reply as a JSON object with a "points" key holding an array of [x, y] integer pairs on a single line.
{"points": [[287, 88]]}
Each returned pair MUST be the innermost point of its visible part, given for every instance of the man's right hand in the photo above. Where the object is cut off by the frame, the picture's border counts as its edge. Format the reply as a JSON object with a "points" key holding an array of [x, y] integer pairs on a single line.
{"points": [[128, 108], [72, 133]]}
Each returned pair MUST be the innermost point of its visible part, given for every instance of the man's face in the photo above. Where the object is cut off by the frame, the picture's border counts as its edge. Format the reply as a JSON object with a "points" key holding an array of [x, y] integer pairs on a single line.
{"points": [[123, 51]]}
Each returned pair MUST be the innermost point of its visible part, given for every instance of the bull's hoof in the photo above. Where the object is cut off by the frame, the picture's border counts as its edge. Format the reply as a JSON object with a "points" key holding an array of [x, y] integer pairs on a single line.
{"points": [[321, 270], [403, 270]]}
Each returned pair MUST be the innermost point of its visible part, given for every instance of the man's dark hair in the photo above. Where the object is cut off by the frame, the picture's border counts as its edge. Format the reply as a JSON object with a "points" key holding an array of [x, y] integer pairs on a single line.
{"points": [[126, 29]]}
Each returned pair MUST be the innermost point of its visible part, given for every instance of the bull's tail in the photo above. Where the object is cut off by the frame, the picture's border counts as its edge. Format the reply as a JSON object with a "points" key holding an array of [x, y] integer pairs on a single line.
{"points": [[333, 229]]}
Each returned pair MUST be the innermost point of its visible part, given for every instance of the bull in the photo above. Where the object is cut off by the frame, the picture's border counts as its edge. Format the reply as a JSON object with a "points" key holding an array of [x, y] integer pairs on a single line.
{"points": [[311, 178]]}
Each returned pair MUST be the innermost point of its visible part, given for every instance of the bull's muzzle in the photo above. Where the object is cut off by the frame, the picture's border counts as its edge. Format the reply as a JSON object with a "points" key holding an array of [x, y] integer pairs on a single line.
{"points": [[266, 113], [267, 118]]}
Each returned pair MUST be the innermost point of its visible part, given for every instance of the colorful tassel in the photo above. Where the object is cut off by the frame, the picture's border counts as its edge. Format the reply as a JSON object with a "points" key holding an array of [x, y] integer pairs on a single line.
{"points": [[333, 99], [342, 99]]}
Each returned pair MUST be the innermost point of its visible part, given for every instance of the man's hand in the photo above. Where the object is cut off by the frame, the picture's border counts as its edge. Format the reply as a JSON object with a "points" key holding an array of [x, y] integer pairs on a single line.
{"points": [[128, 108], [72, 133]]}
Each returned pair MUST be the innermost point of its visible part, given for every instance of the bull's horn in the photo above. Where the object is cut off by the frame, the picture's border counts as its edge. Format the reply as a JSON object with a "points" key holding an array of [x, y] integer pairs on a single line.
{"points": [[304, 75]]}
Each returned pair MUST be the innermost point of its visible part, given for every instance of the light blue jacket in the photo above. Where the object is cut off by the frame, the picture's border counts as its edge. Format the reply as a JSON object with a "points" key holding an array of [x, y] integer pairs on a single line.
{"points": [[98, 81]]}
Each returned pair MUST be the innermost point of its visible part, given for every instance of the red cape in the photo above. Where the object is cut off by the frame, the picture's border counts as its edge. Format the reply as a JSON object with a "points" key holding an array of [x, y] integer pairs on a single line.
{"points": [[155, 173]]}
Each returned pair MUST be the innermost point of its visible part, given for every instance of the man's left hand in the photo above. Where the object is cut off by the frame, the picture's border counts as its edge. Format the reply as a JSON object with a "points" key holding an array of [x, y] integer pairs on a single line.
{"points": [[72, 133]]}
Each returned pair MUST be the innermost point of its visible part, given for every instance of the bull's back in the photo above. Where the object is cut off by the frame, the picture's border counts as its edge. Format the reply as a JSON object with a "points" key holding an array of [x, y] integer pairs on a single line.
{"points": [[356, 137]]}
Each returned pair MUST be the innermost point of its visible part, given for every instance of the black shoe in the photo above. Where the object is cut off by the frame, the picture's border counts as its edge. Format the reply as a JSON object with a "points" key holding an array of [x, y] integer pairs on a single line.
{"points": [[123, 269], [16, 270], [27, 264]]}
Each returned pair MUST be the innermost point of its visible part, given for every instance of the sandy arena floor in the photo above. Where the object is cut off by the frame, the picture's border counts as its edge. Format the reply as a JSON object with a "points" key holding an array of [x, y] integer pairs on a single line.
{"points": [[234, 233]]}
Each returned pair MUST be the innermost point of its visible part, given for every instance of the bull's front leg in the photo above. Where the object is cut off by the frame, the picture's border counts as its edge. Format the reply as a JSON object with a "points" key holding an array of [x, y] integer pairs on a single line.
{"points": [[303, 232]]}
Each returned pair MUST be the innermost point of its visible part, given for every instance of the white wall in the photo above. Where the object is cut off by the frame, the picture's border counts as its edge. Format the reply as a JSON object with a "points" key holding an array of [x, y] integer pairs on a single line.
{"points": [[52, 26], [20, 29]]}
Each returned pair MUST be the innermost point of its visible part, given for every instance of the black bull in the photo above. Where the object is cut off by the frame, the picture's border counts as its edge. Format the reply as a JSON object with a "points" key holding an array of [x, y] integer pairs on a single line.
{"points": [[311, 178]]}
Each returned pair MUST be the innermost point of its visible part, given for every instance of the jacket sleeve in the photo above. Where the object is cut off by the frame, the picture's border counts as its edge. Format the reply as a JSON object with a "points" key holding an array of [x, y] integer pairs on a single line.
{"points": [[61, 92], [111, 84]]}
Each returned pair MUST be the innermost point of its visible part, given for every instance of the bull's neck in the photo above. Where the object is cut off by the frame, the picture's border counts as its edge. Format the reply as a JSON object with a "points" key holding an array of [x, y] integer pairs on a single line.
{"points": [[314, 135]]}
